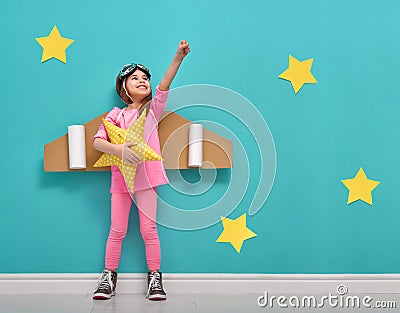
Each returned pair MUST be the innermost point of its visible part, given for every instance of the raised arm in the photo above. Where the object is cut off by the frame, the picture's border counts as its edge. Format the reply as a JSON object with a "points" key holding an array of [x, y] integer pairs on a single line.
{"points": [[181, 53]]}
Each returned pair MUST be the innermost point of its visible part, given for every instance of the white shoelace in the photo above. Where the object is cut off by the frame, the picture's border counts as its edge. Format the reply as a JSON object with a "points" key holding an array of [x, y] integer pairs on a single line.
{"points": [[105, 280], [154, 283]]}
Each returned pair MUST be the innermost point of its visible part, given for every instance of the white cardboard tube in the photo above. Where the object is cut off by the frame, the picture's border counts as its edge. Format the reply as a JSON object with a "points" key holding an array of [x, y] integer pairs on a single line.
{"points": [[76, 147], [195, 145]]}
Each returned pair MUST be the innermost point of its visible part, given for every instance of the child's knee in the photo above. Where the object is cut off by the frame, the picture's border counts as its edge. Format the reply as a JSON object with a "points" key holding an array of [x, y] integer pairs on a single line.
{"points": [[117, 234], [149, 232]]}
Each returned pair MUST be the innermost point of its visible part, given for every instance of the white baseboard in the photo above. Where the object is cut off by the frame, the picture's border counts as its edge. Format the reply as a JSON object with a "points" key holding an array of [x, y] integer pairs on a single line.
{"points": [[204, 283]]}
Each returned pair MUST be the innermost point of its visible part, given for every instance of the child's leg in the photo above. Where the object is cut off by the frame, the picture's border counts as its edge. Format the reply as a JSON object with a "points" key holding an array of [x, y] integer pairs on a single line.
{"points": [[146, 201], [120, 207]]}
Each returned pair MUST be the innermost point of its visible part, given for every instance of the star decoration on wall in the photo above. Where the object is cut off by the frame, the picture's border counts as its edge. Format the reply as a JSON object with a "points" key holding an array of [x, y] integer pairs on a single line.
{"points": [[235, 232], [360, 187], [299, 73], [134, 134], [54, 45]]}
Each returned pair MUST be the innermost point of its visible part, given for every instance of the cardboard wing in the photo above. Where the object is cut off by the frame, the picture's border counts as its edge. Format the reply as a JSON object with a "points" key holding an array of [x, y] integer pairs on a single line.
{"points": [[173, 131]]}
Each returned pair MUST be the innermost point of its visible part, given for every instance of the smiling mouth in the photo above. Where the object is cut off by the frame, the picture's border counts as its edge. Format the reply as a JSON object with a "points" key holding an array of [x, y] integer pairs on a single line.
{"points": [[142, 87]]}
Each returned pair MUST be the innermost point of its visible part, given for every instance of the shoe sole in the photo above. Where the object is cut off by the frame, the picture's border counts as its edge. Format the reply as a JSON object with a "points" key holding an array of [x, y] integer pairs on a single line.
{"points": [[157, 298], [103, 296]]}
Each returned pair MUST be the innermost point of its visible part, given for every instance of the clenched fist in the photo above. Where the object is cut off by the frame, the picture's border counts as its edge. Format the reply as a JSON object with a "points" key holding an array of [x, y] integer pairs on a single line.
{"points": [[183, 49]]}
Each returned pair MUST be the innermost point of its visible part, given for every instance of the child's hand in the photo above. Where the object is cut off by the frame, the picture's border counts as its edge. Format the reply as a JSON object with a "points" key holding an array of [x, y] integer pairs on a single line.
{"points": [[183, 49], [125, 152]]}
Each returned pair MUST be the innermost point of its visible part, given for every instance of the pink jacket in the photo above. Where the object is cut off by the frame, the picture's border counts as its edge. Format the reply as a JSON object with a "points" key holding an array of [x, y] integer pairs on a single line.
{"points": [[150, 173]]}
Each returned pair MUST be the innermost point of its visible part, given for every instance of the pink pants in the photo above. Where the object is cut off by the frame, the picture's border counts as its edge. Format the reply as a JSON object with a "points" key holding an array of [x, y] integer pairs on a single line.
{"points": [[121, 203]]}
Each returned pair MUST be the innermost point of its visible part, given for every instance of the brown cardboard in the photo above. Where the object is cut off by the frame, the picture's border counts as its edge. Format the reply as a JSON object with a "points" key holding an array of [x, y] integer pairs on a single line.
{"points": [[174, 141], [173, 132], [56, 157]]}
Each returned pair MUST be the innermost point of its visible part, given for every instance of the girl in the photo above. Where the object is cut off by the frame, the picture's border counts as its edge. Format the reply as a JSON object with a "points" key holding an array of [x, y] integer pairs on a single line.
{"points": [[133, 86]]}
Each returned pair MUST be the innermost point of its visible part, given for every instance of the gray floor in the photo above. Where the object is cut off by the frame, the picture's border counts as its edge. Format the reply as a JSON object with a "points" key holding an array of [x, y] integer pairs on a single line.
{"points": [[121, 303]]}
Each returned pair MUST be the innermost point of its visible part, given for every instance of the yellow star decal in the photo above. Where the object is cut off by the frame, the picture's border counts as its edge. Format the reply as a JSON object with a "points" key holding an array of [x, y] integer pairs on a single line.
{"points": [[54, 45], [360, 187], [298, 73], [119, 136], [235, 232]]}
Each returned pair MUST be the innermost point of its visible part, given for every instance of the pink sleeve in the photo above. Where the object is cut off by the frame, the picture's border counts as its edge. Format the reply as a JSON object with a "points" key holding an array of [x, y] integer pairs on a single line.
{"points": [[158, 103], [112, 118]]}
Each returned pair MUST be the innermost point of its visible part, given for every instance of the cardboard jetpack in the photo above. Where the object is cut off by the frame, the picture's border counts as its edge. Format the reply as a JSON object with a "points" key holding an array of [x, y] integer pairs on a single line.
{"points": [[173, 131]]}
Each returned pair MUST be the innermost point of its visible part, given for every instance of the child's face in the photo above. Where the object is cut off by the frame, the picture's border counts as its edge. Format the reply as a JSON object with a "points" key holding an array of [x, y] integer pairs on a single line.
{"points": [[138, 85]]}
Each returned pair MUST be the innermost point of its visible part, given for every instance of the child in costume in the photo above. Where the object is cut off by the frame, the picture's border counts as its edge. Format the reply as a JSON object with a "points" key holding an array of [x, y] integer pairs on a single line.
{"points": [[133, 86]]}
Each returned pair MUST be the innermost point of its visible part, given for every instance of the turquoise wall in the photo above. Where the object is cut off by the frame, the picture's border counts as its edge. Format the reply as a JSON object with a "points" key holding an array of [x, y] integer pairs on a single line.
{"points": [[58, 222]]}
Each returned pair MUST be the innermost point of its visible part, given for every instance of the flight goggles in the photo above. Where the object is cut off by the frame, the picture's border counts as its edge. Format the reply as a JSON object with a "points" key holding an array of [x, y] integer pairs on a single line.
{"points": [[130, 68]]}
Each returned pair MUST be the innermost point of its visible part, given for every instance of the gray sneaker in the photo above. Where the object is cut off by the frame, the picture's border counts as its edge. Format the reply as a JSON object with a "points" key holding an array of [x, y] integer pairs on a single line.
{"points": [[106, 285]]}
